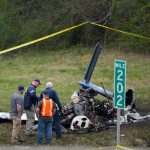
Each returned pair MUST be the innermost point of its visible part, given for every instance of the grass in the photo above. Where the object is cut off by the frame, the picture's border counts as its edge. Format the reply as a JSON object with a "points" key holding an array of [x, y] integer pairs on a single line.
{"points": [[65, 68], [131, 135]]}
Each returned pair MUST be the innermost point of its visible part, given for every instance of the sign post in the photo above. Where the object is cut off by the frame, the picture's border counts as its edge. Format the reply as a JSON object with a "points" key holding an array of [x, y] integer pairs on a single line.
{"points": [[119, 90]]}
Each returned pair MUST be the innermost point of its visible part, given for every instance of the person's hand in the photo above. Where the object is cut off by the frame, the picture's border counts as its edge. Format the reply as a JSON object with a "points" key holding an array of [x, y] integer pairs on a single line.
{"points": [[37, 112]]}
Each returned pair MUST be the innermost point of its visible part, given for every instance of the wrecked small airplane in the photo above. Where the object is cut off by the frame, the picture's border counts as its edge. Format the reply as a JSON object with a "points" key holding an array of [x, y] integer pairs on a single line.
{"points": [[85, 112]]}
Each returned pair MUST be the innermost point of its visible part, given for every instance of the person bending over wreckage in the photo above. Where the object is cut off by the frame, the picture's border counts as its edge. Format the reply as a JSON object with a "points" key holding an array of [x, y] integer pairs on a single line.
{"points": [[77, 105]]}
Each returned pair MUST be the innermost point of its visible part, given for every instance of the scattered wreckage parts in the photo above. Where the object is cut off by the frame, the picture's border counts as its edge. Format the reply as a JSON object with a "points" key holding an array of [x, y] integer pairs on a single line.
{"points": [[101, 114], [96, 115]]}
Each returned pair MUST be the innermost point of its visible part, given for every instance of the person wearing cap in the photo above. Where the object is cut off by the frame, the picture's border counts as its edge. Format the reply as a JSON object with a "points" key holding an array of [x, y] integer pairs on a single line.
{"points": [[16, 110], [30, 101], [44, 113], [57, 120]]}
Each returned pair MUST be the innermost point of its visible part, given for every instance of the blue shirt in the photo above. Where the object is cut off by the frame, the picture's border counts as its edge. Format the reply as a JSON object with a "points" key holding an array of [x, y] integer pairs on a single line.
{"points": [[30, 97]]}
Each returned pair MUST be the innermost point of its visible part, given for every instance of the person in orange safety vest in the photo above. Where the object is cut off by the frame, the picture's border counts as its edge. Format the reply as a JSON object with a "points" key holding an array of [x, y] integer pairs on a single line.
{"points": [[45, 112]]}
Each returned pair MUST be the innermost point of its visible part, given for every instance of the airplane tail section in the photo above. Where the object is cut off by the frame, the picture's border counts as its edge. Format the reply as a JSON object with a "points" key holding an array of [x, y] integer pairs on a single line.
{"points": [[92, 63]]}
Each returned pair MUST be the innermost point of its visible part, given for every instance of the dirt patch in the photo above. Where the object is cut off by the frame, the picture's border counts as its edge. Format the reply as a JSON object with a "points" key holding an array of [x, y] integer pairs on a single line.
{"points": [[132, 135]]}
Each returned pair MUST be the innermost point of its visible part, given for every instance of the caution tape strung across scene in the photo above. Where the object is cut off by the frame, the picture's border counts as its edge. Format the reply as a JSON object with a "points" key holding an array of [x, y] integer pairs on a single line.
{"points": [[68, 29], [123, 32], [41, 39]]}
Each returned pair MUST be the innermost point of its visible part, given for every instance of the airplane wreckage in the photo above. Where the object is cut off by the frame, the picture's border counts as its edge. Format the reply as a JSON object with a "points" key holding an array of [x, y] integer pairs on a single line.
{"points": [[87, 113]]}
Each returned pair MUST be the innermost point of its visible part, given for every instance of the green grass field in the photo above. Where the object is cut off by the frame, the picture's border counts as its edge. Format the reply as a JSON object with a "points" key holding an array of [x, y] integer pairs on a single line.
{"points": [[65, 68]]}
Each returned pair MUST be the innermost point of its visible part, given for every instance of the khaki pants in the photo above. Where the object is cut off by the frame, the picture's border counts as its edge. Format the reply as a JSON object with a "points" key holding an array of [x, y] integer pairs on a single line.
{"points": [[30, 121], [16, 132]]}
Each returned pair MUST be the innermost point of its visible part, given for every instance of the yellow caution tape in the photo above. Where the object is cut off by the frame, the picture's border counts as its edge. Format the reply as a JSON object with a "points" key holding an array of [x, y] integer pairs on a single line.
{"points": [[65, 30], [41, 39], [124, 32], [122, 147]]}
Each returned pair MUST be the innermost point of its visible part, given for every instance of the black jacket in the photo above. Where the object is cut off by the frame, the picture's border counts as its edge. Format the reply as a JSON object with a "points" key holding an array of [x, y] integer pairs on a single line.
{"points": [[30, 97]]}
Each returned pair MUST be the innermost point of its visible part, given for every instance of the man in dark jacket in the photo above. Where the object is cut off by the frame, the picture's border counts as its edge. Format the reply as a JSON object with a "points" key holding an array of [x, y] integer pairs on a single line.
{"points": [[30, 101], [56, 118]]}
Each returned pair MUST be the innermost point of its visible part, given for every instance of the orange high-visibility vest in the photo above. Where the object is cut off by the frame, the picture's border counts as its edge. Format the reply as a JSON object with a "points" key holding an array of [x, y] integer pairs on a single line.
{"points": [[47, 107]]}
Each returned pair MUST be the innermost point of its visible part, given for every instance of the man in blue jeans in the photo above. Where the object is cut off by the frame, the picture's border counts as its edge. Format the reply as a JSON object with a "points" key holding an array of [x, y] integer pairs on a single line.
{"points": [[57, 120], [45, 112]]}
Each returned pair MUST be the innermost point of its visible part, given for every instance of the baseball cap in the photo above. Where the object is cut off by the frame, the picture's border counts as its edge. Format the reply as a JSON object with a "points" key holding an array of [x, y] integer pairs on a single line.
{"points": [[20, 87], [37, 80]]}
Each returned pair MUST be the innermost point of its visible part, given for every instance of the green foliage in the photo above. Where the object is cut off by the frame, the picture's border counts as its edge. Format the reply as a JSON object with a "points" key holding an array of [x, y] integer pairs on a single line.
{"points": [[131, 16], [9, 24], [25, 20], [33, 19]]}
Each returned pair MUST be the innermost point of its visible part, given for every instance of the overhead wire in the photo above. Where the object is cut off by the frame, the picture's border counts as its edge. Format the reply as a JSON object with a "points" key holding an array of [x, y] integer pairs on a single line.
{"points": [[105, 19], [109, 14]]}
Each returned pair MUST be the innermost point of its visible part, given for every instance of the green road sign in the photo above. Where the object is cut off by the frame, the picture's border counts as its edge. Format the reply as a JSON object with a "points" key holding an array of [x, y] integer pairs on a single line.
{"points": [[119, 83]]}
